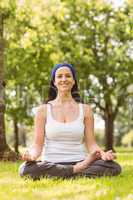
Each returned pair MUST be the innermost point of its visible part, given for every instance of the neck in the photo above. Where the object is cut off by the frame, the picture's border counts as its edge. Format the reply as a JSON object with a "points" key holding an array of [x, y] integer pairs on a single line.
{"points": [[64, 98]]}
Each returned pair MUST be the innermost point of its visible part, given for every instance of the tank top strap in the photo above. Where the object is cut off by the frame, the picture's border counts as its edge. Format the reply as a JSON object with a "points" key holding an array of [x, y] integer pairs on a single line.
{"points": [[49, 117], [81, 111]]}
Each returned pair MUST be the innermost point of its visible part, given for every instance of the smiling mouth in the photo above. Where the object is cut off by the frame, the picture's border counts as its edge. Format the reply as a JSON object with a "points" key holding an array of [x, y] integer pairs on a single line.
{"points": [[64, 84]]}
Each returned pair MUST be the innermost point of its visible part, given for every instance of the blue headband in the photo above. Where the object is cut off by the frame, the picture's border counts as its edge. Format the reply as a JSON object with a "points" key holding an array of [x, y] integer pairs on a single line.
{"points": [[57, 66]]}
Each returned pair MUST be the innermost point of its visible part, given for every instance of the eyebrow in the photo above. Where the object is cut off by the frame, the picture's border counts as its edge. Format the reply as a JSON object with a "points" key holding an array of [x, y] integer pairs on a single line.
{"points": [[65, 73]]}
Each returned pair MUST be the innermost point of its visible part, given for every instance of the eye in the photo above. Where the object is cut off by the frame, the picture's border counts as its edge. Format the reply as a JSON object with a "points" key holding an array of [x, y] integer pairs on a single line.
{"points": [[59, 76], [67, 75]]}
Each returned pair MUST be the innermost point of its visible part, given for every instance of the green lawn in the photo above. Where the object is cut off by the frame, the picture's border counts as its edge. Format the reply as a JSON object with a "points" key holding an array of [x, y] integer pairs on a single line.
{"points": [[12, 187]]}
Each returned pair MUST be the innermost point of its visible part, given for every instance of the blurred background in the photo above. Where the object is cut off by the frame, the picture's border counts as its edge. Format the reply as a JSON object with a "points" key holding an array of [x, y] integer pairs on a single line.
{"points": [[96, 36]]}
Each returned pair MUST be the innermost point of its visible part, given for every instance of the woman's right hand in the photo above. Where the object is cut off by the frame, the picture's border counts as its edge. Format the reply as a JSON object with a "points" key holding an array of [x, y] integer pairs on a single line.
{"points": [[27, 156]]}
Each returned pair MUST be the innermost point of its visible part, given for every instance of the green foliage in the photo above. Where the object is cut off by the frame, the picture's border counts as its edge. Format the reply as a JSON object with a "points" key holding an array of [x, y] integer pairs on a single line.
{"points": [[127, 140], [124, 121], [97, 40], [92, 35], [7, 8], [27, 58]]}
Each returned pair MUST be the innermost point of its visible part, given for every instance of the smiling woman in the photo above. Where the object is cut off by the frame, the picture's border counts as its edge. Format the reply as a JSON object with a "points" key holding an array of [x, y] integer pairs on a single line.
{"points": [[64, 128], [64, 80]]}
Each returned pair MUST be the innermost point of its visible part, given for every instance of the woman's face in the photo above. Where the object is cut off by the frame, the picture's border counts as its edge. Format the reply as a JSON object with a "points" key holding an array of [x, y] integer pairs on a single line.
{"points": [[64, 80]]}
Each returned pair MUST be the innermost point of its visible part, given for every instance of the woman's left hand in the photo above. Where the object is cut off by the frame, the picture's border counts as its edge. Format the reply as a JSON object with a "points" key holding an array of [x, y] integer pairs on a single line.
{"points": [[108, 155]]}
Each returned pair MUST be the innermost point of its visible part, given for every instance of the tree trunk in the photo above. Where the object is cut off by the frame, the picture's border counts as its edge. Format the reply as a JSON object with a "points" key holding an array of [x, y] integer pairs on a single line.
{"points": [[5, 152], [24, 139], [2, 87], [109, 125], [16, 136], [109, 130]]}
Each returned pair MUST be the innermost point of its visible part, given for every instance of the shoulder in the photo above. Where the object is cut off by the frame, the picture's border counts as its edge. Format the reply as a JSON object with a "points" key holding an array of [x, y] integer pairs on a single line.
{"points": [[88, 112], [41, 110]]}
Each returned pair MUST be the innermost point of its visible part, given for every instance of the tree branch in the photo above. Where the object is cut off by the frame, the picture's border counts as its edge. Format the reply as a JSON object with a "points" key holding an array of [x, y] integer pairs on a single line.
{"points": [[99, 105]]}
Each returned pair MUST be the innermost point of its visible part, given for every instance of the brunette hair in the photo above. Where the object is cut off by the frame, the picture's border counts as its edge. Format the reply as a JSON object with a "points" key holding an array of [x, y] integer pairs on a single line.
{"points": [[52, 92]]}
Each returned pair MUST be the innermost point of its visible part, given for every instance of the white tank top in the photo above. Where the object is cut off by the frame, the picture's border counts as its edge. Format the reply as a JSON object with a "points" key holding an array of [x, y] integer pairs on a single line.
{"points": [[64, 142]]}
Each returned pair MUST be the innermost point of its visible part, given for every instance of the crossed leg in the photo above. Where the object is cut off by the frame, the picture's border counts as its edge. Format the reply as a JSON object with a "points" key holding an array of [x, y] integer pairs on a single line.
{"points": [[39, 169], [102, 168]]}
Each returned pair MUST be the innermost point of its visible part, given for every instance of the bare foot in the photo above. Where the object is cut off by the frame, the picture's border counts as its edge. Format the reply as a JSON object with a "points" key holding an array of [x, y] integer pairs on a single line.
{"points": [[80, 166]]}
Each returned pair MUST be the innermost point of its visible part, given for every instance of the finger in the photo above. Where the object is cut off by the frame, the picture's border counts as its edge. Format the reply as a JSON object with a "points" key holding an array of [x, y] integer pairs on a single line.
{"points": [[20, 157], [112, 155], [109, 156], [103, 157], [98, 156], [26, 155], [109, 151]]}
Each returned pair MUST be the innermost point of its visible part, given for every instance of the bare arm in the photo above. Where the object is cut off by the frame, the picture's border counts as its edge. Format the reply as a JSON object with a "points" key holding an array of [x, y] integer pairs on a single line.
{"points": [[90, 141], [39, 124], [89, 130], [95, 151]]}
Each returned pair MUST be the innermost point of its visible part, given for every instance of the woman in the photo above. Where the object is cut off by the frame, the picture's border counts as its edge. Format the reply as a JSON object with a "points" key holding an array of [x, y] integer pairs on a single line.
{"points": [[63, 128]]}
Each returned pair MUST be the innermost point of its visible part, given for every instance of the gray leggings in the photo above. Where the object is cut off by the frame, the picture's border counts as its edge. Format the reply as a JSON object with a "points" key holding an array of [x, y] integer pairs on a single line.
{"points": [[39, 169]]}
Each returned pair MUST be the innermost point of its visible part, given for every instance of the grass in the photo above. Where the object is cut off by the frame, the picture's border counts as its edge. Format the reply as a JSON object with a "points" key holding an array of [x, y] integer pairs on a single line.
{"points": [[12, 187]]}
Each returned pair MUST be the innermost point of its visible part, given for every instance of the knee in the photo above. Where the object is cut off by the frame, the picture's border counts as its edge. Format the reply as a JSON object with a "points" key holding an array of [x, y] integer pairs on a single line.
{"points": [[116, 168], [113, 167], [21, 170], [110, 168]]}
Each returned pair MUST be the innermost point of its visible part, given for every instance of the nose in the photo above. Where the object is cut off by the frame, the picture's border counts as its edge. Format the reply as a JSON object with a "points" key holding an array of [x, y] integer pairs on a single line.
{"points": [[63, 78]]}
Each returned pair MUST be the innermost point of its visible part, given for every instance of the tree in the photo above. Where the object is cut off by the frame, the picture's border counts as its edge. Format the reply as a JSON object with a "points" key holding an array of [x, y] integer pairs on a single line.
{"points": [[31, 42], [5, 151], [3, 144], [97, 39], [71, 31]]}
